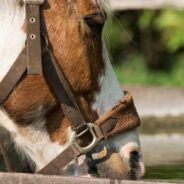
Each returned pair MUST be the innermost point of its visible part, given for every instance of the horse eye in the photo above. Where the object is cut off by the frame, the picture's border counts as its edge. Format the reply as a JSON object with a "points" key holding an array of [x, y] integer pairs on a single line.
{"points": [[95, 22]]}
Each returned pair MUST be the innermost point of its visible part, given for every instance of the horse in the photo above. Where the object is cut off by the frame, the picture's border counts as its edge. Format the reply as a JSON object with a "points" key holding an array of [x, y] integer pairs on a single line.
{"points": [[31, 113]]}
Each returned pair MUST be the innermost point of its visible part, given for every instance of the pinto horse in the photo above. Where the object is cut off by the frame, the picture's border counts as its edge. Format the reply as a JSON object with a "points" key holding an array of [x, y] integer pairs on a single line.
{"points": [[31, 113]]}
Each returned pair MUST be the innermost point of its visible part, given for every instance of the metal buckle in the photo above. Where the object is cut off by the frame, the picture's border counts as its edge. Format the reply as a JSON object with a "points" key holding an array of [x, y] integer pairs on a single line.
{"points": [[32, 2], [94, 142]]}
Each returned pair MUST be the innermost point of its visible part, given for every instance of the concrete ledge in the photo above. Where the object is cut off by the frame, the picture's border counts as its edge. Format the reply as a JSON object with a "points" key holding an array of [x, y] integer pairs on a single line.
{"points": [[158, 101], [9, 178]]}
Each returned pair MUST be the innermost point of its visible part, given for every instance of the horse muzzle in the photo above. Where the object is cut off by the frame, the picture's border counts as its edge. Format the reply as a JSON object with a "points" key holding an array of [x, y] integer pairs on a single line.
{"points": [[126, 164]]}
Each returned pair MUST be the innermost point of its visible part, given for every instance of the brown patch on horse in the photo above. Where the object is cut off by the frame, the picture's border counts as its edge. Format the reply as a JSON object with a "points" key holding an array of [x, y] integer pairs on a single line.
{"points": [[57, 125], [79, 55], [78, 52], [29, 100]]}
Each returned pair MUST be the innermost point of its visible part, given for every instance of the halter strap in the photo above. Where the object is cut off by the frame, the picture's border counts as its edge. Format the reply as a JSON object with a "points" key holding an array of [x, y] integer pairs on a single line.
{"points": [[30, 58], [34, 2], [62, 92], [34, 59], [13, 76]]}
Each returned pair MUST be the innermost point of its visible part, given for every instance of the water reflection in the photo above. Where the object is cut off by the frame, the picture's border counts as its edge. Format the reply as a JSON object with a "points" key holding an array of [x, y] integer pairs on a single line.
{"points": [[163, 155]]}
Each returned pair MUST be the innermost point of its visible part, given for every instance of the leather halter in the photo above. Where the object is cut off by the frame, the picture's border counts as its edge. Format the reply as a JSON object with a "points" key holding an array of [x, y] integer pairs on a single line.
{"points": [[37, 58]]}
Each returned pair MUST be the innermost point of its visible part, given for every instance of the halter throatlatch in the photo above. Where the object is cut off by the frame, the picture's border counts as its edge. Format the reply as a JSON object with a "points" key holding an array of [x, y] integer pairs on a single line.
{"points": [[120, 118]]}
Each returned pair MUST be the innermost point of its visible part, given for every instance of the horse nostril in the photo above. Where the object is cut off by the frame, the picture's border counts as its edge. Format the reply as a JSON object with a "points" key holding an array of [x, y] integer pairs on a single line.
{"points": [[95, 22], [134, 160], [134, 156]]}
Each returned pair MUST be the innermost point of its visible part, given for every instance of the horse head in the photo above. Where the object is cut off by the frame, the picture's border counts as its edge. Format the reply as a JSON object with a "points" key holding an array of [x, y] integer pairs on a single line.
{"points": [[31, 112]]}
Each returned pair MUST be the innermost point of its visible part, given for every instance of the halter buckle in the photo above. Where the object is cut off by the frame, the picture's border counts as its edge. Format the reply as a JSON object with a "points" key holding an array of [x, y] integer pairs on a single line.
{"points": [[94, 142]]}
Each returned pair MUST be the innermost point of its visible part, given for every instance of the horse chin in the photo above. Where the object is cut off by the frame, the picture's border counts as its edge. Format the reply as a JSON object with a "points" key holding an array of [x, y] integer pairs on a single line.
{"points": [[113, 168], [123, 164]]}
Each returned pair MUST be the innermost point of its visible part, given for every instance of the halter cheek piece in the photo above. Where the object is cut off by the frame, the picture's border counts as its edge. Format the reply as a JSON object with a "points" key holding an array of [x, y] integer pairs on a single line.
{"points": [[37, 58]]}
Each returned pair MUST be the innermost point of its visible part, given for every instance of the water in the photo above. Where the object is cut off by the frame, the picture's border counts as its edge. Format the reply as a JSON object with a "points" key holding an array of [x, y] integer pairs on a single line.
{"points": [[163, 156], [162, 149], [165, 172]]}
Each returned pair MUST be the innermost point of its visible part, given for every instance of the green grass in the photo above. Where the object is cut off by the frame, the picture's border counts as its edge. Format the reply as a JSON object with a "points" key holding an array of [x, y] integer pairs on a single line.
{"points": [[134, 71], [173, 172]]}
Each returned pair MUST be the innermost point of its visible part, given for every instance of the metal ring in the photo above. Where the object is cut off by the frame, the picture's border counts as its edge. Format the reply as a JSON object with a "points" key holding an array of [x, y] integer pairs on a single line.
{"points": [[32, 20], [95, 140], [32, 36]]}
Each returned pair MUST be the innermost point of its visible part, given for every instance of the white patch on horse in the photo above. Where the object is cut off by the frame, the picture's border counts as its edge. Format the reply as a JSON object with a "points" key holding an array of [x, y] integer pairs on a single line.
{"points": [[33, 140], [6, 122], [111, 91], [12, 37], [108, 96]]}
